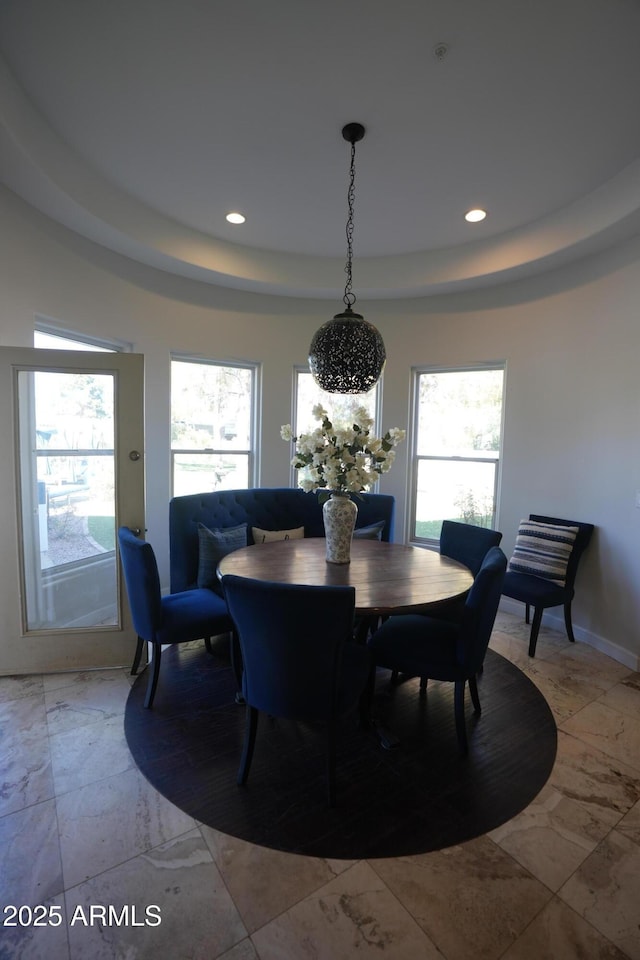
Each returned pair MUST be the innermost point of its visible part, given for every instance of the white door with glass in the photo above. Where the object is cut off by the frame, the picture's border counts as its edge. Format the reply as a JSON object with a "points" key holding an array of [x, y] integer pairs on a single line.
{"points": [[72, 471]]}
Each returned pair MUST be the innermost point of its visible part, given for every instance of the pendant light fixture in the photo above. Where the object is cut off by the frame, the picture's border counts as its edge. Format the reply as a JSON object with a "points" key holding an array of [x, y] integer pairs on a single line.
{"points": [[347, 353]]}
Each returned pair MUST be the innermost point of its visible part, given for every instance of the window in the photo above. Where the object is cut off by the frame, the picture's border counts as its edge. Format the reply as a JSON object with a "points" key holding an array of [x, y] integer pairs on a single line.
{"points": [[340, 406], [213, 409], [456, 442], [73, 418], [48, 337]]}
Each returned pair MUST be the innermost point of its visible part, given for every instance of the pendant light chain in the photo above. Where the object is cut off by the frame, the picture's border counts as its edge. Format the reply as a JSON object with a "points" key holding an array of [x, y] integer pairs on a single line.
{"points": [[347, 354], [349, 297]]}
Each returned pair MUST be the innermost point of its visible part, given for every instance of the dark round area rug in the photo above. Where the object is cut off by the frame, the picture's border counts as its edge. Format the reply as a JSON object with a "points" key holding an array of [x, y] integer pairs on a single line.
{"points": [[421, 795]]}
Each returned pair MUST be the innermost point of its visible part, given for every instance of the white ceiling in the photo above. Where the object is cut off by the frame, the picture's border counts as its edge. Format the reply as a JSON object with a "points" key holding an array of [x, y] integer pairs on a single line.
{"points": [[141, 123]]}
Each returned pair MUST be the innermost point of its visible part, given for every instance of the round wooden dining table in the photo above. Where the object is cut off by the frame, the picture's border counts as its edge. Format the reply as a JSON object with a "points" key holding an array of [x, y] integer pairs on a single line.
{"points": [[388, 577]]}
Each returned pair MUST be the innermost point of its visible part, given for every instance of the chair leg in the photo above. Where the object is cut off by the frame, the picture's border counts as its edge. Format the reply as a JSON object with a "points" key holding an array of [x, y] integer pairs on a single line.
{"points": [[137, 656], [527, 613], [207, 643], [535, 628], [236, 665], [250, 730], [567, 621], [475, 699], [461, 729], [423, 686], [236, 658], [156, 654]]}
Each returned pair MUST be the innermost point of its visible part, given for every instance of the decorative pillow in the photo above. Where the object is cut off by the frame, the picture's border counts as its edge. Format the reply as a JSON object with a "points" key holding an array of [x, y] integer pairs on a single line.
{"points": [[543, 550], [213, 546], [372, 532], [267, 536]]}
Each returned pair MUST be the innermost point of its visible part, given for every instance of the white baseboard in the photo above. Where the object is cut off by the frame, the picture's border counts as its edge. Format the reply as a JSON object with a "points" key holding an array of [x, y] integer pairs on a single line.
{"points": [[554, 619]]}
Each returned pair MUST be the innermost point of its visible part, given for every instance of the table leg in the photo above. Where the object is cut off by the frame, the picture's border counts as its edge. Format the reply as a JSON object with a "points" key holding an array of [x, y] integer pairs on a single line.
{"points": [[386, 738]]}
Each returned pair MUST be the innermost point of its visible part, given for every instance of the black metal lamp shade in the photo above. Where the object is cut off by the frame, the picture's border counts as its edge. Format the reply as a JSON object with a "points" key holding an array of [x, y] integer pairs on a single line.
{"points": [[347, 354]]}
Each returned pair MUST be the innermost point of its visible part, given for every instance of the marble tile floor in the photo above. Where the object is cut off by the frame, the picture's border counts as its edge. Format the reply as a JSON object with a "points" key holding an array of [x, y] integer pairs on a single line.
{"points": [[110, 869]]}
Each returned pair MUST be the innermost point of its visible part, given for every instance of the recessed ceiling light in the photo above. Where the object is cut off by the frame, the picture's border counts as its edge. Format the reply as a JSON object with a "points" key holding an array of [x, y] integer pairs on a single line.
{"points": [[475, 216], [235, 218]]}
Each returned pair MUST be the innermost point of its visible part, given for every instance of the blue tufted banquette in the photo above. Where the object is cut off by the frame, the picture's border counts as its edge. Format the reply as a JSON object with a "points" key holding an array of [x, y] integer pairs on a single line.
{"points": [[270, 508]]}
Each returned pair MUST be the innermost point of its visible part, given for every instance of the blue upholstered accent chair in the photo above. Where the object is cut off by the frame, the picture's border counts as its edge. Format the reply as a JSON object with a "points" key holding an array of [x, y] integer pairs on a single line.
{"points": [[298, 657], [425, 647], [176, 618], [541, 593], [467, 543]]}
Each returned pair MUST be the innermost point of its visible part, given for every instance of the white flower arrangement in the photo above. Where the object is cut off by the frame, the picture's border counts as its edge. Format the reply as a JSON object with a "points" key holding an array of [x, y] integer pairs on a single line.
{"points": [[341, 460]]}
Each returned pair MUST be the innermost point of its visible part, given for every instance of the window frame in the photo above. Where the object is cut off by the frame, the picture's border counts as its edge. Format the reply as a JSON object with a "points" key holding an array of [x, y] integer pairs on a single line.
{"points": [[89, 344], [252, 452], [83, 340], [415, 459]]}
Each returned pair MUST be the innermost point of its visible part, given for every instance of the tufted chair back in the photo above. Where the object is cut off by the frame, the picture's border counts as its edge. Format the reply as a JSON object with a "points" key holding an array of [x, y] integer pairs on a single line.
{"points": [[270, 508]]}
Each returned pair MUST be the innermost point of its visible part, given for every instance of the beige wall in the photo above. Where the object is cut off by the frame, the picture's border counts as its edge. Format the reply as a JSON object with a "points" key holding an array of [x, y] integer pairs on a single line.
{"points": [[570, 339]]}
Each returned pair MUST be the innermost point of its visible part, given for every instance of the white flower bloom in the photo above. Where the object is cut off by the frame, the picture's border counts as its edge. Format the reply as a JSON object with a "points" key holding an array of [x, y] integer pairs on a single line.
{"points": [[310, 442], [387, 464], [362, 418], [344, 459], [345, 437]]}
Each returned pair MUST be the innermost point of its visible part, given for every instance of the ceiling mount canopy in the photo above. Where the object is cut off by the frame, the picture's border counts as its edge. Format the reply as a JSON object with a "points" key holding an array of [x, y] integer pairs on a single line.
{"points": [[347, 353]]}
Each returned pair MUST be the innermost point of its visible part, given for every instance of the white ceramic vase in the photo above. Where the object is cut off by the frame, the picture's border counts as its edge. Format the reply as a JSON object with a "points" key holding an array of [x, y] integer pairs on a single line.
{"points": [[339, 513]]}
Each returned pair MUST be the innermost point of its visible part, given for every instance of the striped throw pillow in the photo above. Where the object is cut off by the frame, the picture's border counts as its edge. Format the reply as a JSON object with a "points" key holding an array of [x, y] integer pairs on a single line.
{"points": [[543, 550]]}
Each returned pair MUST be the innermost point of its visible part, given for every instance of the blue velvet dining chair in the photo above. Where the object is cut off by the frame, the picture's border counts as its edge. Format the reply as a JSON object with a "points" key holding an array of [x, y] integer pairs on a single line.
{"points": [[299, 661], [430, 648], [467, 543], [158, 620], [542, 571]]}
